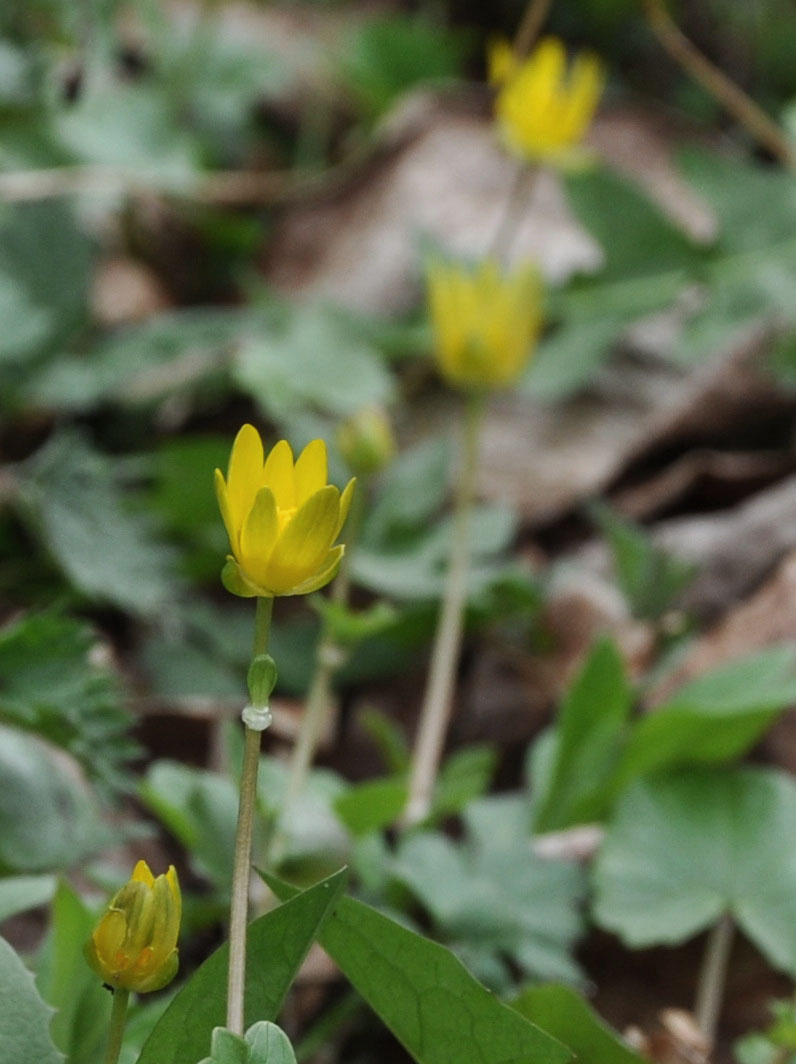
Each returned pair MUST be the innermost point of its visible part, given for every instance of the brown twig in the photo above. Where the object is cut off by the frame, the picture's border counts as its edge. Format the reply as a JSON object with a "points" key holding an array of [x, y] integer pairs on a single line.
{"points": [[741, 106], [528, 30]]}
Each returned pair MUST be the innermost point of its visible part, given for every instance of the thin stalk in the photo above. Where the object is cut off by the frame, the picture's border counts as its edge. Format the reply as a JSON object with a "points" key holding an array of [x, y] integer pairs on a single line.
{"points": [[436, 710], [521, 186], [723, 89], [712, 977], [239, 908], [528, 30], [116, 1032]]}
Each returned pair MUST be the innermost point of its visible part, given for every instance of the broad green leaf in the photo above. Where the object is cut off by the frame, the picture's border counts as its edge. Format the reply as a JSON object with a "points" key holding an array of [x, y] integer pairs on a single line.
{"points": [[227, 1048], [371, 806], [465, 775], [569, 357], [312, 359], [73, 502], [83, 1006], [424, 994], [277, 944], [24, 1018], [490, 891], [566, 1015], [417, 568], [714, 718], [199, 808], [388, 55], [48, 816], [52, 686], [45, 265], [412, 492], [684, 849], [20, 893], [269, 1044], [650, 578], [588, 741]]}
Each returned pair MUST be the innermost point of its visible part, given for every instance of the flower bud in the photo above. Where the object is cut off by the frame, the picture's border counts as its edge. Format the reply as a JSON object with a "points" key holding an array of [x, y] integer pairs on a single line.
{"points": [[134, 945], [366, 440]]}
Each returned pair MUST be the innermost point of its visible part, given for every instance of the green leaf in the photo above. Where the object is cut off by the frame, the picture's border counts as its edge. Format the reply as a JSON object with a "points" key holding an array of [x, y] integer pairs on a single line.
{"points": [[412, 491], [714, 718], [565, 1015], [386, 56], [20, 893], [45, 266], [52, 686], [48, 816], [424, 994], [200, 809], [277, 944], [227, 1048], [465, 776], [312, 359], [72, 500], [682, 850], [80, 1026], [24, 1018], [649, 577], [269, 1044], [371, 806], [569, 357], [491, 891], [587, 744]]}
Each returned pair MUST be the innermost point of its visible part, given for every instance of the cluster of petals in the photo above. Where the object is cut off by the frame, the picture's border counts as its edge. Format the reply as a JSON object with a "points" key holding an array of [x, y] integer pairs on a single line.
{"points": [[282, 518], [134, 945], [544, 106], [484, 322]]}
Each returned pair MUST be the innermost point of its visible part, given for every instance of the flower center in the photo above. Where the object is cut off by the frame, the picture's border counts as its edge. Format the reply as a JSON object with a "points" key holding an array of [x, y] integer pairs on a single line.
{"points": [[283, 516]]}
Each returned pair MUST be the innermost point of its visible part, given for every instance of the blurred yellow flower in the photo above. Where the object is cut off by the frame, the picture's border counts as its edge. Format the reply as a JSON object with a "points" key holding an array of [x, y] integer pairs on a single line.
{"points": [[134, 945], [501, 62], [484, 323], [543, 109], [366, 440], [281, 518]]}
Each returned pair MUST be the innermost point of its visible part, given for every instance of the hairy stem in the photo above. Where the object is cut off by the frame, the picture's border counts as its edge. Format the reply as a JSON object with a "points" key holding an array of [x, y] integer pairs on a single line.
{"points": [[239, 908], [436, 710]]}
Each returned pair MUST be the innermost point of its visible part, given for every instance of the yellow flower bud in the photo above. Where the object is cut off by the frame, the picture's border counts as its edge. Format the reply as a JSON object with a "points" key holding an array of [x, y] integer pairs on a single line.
{"points": [[484, 323], [281, 518], [542, 109], [134, 945], [366, 440]]}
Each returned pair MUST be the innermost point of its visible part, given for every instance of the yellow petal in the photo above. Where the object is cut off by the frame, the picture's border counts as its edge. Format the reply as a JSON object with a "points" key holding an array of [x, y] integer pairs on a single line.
{"points": [[303, 545], [143, 874], [244, 474], [311, 471], [108, 938], [327, 572], [345, 506], [220, 486], [278, 475], [259, 534]]}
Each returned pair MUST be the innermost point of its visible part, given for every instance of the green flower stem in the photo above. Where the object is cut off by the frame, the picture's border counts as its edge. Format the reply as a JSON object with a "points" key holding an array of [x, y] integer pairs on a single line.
{"points": [[436, 710], [239, 908], [712, 977], [328, 659], [116, 1032]]}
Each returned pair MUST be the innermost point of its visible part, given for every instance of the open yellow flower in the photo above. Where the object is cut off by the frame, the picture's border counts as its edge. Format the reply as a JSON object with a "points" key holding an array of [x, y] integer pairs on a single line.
{"points": [[134, 945], [543, 109], [484, 323], [281, 518]]}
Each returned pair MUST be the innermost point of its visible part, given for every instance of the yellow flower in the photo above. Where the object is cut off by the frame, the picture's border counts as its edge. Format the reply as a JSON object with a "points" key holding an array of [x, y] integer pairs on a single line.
{"points": [[484, 323], [542, 109], [134, 945], [281, 518], [501, 62]]}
